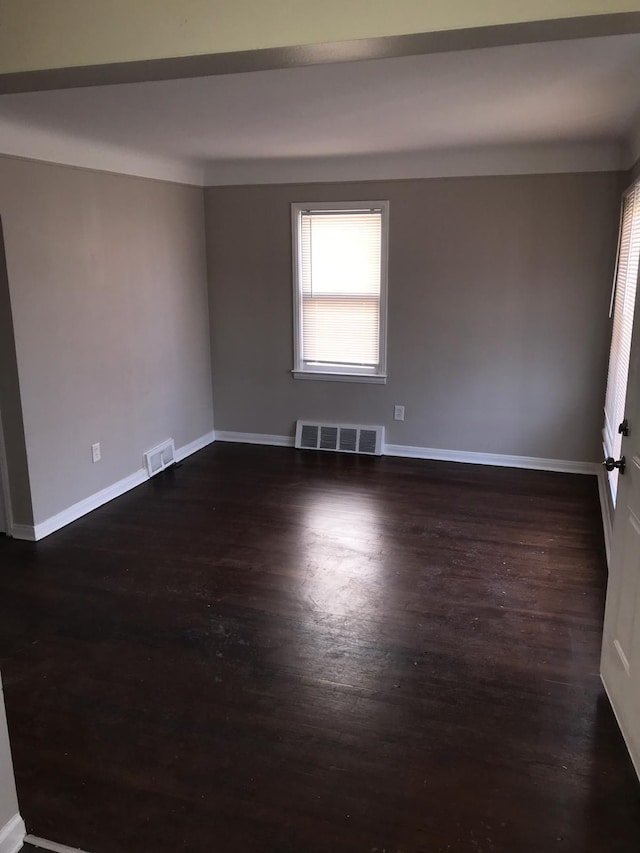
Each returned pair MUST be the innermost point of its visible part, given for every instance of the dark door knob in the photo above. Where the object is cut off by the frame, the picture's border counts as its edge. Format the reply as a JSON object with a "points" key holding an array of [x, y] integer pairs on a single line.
{"points": [[610, 463], [623, 428]]}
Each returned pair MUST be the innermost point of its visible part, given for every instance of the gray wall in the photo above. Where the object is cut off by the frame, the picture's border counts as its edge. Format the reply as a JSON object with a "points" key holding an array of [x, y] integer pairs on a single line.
{"points": [[498, 298], [10, 406], [8, 797], [107, 279]]}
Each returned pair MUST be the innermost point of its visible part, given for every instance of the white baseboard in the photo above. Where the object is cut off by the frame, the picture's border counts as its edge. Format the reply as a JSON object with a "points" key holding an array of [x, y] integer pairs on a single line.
{"points": [[255, 438], [73, 513], [503, 461], [50, 525], [43, 844], [55, 522], [12, 835], [23, 531], [193, 446], [605, 508], [433, 453]]}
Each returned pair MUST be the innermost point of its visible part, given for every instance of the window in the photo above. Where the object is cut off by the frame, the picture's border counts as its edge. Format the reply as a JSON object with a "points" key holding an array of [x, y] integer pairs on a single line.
{"points": [[622, 304], [340, 290]]}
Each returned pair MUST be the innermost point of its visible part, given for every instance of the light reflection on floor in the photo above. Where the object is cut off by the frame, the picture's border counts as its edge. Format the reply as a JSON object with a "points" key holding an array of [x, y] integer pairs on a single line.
{"points": [[344, 596], [344, 556]]}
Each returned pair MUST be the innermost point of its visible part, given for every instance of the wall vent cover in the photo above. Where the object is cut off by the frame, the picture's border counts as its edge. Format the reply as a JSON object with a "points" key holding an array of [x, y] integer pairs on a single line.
{"points": [[159, 457], [344, 438]]}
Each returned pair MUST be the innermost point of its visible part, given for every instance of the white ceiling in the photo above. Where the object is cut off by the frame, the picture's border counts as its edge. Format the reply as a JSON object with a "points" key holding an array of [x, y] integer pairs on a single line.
{"points": [[554, 103]]}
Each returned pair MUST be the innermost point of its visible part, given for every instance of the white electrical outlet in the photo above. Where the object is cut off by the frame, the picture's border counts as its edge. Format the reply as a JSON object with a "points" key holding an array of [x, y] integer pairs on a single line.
{"points": [[96, 454], [398, 413]]}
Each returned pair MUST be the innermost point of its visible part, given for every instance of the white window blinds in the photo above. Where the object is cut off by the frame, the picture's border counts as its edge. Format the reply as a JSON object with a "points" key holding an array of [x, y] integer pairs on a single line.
{"points": [[623, 303], [340, 289]]}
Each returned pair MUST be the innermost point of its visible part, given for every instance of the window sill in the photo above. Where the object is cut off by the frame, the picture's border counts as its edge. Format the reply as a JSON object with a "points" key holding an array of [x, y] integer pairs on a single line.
{"points": [[365, 378]]}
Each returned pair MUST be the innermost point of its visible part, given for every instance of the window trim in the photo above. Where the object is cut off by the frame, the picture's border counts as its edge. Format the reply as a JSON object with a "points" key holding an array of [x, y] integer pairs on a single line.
{"points": [[341, 373]]}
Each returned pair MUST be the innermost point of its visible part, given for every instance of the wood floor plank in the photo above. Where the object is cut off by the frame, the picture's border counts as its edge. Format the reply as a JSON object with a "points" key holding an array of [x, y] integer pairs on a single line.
{"points": [[270, 650]]}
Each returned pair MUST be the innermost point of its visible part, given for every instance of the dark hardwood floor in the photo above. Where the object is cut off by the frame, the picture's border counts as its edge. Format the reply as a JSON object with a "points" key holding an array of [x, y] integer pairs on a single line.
{"points": [[272, 651]]}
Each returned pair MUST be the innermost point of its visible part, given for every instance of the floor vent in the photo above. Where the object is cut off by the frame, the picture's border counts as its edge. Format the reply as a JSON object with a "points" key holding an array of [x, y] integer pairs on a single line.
{"points": [[344, 438], [160, 457]]}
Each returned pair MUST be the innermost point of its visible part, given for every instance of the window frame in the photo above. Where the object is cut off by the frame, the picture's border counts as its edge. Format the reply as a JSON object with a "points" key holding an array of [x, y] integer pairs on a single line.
{"points": [[341, 373]]}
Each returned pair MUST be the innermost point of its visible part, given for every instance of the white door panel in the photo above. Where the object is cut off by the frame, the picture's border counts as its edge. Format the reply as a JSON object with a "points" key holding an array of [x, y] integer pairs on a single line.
{"points": [[621, 640]]}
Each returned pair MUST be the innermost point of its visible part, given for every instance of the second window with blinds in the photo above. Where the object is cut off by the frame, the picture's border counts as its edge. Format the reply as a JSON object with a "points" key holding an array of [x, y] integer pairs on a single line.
{"points": [[623, 308], [340, 290]]}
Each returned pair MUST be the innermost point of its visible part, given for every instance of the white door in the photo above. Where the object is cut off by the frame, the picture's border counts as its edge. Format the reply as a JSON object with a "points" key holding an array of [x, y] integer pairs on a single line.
{"points": [[621, 640]]}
